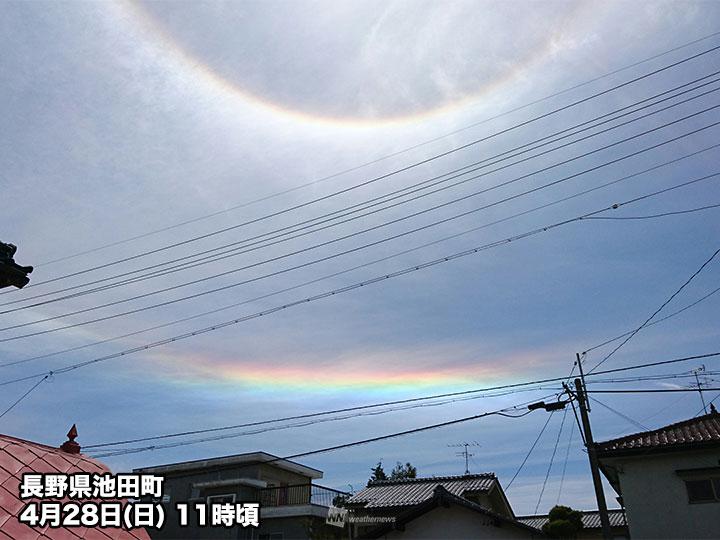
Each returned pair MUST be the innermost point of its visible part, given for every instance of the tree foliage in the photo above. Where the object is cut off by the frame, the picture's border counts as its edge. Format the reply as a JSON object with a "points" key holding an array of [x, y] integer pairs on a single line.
{"points": [[564, 522], [401, 472], [378, 474]]}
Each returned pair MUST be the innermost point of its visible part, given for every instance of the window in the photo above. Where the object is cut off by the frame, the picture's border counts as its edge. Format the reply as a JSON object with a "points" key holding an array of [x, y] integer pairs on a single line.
{"points": [[222, 499], [702, 490]]}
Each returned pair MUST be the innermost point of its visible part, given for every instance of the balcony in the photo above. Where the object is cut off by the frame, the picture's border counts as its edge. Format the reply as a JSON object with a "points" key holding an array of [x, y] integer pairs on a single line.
{"points": [[298, 500], [300, 494]]}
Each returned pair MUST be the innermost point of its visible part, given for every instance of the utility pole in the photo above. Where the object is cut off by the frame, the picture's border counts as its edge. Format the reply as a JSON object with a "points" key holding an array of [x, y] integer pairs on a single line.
{"points": [[592, 456], [582, 378]]}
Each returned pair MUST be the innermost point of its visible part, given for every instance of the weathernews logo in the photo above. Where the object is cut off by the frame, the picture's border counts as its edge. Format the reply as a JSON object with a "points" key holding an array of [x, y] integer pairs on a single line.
{"points": [[338, 517]]}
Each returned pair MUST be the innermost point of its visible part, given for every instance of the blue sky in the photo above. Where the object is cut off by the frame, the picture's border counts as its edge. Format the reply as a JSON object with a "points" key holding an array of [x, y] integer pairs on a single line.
{"points": [[124, 118]]}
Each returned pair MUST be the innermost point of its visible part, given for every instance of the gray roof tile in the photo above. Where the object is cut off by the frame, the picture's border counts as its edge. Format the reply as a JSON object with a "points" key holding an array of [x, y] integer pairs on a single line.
{"points": [[413, 491]]}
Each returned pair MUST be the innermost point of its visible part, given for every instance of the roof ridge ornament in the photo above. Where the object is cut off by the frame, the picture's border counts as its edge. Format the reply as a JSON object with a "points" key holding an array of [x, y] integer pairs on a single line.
{"points": [[70, 446]]}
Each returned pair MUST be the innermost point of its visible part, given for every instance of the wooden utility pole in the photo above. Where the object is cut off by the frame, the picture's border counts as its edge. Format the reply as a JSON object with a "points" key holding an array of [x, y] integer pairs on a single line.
{"points": [[592, 456]]}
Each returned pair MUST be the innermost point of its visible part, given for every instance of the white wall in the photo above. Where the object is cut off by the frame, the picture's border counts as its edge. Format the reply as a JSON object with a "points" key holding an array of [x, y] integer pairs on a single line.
{"points": [[656, 500], [456, 522]]}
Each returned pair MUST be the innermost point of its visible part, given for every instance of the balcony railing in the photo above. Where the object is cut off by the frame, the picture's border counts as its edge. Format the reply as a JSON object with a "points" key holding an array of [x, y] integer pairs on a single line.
{"points": [[301, 494]]}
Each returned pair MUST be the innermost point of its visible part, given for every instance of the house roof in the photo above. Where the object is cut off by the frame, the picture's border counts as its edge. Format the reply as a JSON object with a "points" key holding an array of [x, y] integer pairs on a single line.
{"points": [[18, 456], [234, 460], [700, 432], [590, 519], [412, 491], [442, 497]]}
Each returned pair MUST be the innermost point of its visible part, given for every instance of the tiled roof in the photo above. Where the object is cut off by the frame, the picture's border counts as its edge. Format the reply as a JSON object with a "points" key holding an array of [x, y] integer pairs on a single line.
{"points": [[412, 491], [590, 519], [442, 497], [700, 431], [18, 456]]}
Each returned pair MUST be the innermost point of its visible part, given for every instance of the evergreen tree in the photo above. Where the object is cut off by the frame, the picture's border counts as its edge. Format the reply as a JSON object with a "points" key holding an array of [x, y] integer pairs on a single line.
{"points": [[564, 522], [401, 472], [378, 474]]}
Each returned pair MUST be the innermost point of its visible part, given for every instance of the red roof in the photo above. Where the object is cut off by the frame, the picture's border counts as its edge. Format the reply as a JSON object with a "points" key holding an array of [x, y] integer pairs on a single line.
{"points": [[694, 433], [18, 456]]}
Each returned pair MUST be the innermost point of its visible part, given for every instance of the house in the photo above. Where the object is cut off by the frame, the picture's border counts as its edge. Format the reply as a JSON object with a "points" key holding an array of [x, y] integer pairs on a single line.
{"points": [[668, 479], [291, 506], [472, 501], [446, 515], [18, 457], [591, 524]]}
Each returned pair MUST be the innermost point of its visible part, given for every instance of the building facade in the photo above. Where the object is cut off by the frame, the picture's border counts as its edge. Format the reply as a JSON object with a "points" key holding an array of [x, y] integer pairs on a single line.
{"points": [[668, 479], [291, 506]]}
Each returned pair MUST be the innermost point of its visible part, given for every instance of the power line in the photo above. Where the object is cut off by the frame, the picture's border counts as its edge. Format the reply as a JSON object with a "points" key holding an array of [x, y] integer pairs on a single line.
{"points": [[552, 460], [353, 286], [527, 456], [345, 252], [26, 394], [392, 173], [625, 417], [649, 391], [501, 412], [701, 411], [678, 312], [518, 387], [358, 207], [535, 384], [664, 214], [673, 295], [176, 444], [654, 364], [387, 156], [383, 259], [564, 469]]}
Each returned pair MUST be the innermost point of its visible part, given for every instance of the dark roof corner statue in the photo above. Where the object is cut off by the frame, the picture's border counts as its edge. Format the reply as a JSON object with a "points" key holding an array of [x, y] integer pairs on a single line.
{"points": [[11, 273], [71, 446]]}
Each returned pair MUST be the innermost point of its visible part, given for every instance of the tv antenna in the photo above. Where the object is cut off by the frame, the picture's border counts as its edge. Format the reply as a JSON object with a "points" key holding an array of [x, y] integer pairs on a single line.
{"points": [[465, 452]]}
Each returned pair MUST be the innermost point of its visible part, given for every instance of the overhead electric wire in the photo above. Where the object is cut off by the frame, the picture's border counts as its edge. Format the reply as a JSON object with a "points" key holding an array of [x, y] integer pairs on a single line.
{"points": [[382, 158], [134, 450], [673, 314], [470, 394], [404, 252], [351, 250], [673, 403], [396, 171], [26, 394], [564, 469], [552, 460], [664, 214], [659, 377], [702, 410], [650, 391], [359, 207], [665, 303], [353, 286], [533, 383], [625, 417], [499, 412], [527, 456]]}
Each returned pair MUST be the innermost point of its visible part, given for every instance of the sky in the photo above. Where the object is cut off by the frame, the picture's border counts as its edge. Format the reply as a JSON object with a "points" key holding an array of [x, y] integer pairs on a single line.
{"points": [[180, 128]]}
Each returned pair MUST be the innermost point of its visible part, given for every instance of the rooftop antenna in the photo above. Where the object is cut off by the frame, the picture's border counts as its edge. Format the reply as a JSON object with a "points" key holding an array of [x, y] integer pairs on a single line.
{"points": [[695, 372], [465, 453]]}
